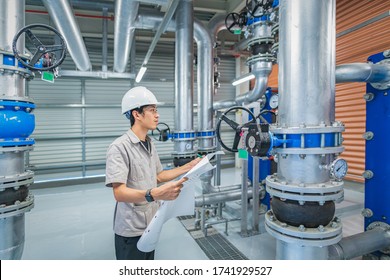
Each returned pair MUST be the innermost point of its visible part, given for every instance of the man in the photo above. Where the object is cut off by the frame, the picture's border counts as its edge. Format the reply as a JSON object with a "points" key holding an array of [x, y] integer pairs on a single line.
{"points": [[133, 169]]}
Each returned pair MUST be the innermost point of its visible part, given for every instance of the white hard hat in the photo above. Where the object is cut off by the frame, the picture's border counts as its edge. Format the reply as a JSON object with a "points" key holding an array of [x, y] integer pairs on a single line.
{"points": [[137, 97]]}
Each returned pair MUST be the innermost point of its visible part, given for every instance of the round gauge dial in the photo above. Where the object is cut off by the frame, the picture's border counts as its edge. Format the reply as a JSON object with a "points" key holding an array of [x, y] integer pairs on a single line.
{"points": [[274, 101], [339, 168]]}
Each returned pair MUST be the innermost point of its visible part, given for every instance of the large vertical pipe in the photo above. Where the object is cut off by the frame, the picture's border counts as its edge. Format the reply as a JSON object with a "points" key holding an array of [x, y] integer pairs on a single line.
{"points": [[307, 62], [11, 21], [15, 200], [205, 81], [306, 78], [306, 86], [184, 77]]}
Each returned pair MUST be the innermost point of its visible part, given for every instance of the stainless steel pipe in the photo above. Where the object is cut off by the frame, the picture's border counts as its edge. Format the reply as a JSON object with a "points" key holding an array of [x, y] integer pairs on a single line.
{"points": [[360, 244], [363, 72], [61, 13]]}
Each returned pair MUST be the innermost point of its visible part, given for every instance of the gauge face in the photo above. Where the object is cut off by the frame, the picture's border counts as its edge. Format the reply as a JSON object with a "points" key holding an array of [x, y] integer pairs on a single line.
{"points": [[251, 142], [338, 169], [274, 101]]}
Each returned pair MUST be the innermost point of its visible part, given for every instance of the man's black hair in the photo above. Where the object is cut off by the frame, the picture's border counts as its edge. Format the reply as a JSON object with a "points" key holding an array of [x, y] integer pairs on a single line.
{"points": [[139, 110]]}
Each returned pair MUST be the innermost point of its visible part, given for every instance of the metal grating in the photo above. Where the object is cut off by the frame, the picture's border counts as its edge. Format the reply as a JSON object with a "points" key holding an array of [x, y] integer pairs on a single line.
{"points": [[214, 245]]}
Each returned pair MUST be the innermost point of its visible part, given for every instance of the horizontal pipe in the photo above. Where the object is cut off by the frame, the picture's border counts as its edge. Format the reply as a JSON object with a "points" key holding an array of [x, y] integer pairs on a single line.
{"points": [[217, 189], [360, 244], [76, 15], [363, 72], [96, 74], [213, 198]]}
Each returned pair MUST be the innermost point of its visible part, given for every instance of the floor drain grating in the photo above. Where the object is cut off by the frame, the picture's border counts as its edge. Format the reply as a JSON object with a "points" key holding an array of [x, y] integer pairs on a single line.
{"points": [[214, 245]]}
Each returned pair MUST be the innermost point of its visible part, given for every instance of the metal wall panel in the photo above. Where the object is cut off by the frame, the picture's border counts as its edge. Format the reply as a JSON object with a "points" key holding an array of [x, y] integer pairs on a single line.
{"points": [[355, 43], [77, 118]]}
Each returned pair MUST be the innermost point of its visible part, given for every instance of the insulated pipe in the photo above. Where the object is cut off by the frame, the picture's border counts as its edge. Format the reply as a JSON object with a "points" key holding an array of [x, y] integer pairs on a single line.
{"points": [[307, 98], [125, 14], [214, 198], [363, 72], [11, 21], [205, 81], [12, 157], [149, 20], [360, 244], [306, 63], [306, 79], [184, 78], [216, 24], [61, 13], [261, 70]]}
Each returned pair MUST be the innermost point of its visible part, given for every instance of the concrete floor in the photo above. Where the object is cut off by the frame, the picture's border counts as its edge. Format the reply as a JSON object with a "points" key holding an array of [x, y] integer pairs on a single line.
{"points": [[75, 223]]}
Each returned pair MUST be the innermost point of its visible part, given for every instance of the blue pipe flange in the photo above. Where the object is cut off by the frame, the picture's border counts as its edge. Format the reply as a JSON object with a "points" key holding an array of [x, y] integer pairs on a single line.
{"points": [[17, 123], [321, 236], [309, 140], [183, 135], [335, 127], [257, 20], [205, 134], [8, 63]]}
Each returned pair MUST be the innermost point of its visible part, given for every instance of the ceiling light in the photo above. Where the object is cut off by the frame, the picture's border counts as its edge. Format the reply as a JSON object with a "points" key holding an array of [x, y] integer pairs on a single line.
{"points": [[244, 78], [140, 74]]}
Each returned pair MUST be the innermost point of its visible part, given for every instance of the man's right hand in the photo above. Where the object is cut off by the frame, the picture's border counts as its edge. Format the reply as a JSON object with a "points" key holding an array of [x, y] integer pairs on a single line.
{"points": [[168, 191]]}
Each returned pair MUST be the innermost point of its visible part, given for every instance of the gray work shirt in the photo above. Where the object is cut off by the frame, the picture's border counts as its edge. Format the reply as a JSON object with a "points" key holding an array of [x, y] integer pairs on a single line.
{"points": [[129, 162]]}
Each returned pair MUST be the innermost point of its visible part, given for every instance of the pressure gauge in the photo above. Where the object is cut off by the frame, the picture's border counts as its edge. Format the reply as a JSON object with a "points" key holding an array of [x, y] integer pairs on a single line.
{"points": [[338, 169], [274, 101]]}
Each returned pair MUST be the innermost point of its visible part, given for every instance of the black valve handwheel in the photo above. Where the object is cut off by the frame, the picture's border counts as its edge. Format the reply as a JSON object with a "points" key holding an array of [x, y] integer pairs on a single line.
{"points": [[234, 20], [163, 133], [235, 126], [41, 49]]}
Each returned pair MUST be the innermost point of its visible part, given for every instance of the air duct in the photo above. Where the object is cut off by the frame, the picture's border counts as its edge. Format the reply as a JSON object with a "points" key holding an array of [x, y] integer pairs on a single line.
{"points": [[61, 13], [125, 14]]}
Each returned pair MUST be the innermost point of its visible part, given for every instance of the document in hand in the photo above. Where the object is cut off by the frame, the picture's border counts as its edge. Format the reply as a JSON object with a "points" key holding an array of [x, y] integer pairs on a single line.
{"points": [[184, 204]]}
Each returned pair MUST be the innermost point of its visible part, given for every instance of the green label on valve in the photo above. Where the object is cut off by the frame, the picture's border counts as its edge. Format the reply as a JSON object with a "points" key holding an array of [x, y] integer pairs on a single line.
{"points": [[48, 77], [242, 154], [237, 31]]}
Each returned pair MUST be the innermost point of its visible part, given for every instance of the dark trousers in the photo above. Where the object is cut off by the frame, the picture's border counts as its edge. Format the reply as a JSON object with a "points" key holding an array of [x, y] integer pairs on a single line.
{"points": [[126, 249]]}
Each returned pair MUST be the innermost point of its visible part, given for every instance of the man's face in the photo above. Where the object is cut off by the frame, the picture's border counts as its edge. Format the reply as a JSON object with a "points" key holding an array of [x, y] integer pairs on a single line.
{"points": [[150, 117]]}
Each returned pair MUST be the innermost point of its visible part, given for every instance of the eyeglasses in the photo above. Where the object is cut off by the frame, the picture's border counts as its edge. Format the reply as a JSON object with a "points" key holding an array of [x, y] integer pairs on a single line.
{"points": [[152, 110]]}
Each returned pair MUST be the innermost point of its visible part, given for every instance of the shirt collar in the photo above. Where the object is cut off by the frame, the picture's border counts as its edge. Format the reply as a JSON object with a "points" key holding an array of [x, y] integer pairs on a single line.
{"points": [[133, 138]]}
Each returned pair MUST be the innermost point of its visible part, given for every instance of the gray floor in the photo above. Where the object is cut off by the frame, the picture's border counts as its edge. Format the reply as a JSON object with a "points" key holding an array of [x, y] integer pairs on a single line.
{"points": [[75, 222]]}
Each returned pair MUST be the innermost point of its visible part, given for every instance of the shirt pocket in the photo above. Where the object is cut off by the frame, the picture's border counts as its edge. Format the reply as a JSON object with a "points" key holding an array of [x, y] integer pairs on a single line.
{"points": [[138, 217], [139, 170]]}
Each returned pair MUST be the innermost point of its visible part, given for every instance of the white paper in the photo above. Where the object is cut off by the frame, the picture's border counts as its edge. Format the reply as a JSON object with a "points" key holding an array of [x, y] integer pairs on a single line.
{"points": [[184, 204]]}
